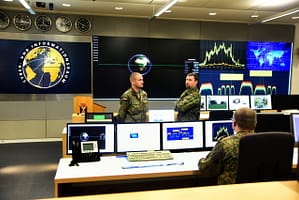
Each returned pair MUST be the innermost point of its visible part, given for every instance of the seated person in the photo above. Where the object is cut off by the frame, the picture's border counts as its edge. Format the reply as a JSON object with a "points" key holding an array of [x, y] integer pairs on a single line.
{"points": [[222, 161]]}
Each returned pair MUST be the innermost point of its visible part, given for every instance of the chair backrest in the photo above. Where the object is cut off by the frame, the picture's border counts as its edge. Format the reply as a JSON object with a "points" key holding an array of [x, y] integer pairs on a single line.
{"points": [[265, 156]]}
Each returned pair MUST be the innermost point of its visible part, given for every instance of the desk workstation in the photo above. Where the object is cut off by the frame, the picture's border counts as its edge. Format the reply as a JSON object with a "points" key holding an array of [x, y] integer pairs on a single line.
{"points": [[115, 169]]}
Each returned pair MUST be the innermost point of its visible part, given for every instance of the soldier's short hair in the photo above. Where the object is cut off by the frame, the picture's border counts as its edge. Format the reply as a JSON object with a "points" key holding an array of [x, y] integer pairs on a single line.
{"points": [[245, 118], [133, 75], [194, 75]]}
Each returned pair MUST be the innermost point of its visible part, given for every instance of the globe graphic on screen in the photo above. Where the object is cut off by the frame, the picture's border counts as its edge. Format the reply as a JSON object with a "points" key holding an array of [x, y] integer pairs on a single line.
{"points": [[84, 136], [43, 67], [139, 63]]}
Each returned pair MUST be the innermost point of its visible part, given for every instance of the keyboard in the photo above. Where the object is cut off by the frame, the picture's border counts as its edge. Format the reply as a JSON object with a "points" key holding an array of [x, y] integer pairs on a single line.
{"points": [[149, 155]]}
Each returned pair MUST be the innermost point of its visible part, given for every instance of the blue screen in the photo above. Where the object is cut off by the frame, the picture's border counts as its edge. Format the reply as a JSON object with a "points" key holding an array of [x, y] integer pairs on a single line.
{"points": [[180, 133], [275, 56]]}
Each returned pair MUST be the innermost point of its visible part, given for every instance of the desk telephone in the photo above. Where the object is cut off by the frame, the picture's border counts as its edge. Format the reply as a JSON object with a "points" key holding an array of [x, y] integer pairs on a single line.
{"points": [[84, 151]]}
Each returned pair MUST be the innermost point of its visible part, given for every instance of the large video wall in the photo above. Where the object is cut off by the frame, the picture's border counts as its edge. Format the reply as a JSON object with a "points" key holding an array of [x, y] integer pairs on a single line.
{"points": [[224, 67]]}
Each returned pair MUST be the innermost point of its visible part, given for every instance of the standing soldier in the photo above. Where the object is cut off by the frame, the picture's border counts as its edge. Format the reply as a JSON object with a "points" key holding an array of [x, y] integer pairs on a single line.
{"points": [[133, 102], [188, 105]]}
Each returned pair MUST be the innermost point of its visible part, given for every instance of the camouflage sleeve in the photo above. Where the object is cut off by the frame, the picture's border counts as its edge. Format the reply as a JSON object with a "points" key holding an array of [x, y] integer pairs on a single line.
{"points": [[123, 107], [188, 102], [211, 165]]}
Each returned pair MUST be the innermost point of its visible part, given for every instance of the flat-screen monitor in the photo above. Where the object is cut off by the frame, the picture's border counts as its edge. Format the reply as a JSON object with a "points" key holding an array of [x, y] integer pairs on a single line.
{"points": [[238, 101], [182, 136], [273, 122], [260, 102], [295, 127], [217, 102], [99, 117], [161, 115], [215, 130], [137, 137], [104, 133]]}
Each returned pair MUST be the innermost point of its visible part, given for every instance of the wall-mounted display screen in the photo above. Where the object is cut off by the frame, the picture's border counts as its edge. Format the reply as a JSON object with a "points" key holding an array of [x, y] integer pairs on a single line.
{"points": [[217, 102], [274, 56], [261, 102], [238, 101], [45, 67], [116, 57]]}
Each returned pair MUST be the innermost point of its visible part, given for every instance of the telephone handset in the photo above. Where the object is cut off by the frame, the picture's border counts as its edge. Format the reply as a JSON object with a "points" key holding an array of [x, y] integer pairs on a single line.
{"points": [[84, 151]]}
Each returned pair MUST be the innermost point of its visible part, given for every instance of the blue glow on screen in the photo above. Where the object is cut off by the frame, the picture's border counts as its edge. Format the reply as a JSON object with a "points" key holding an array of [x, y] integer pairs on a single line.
{"points": [[133, 135], [180, 133], [275, 56]]}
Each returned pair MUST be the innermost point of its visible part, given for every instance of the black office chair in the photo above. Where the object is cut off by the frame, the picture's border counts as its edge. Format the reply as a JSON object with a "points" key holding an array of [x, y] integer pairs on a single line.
{"points": [[265, 156]]}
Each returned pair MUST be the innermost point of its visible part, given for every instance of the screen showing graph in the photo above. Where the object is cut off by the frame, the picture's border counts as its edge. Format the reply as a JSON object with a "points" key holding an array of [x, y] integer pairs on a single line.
{"points": [[215, 130]]}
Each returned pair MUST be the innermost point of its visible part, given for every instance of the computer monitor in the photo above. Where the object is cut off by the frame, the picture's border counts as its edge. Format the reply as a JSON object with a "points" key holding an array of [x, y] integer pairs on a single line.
{"points": [[180, 136], [161, 115], [273, 121], [137, 137], [217, 102], [104, 133], [260, 102], [99, 117], [215, 130], [238, 101], [295, 127]]}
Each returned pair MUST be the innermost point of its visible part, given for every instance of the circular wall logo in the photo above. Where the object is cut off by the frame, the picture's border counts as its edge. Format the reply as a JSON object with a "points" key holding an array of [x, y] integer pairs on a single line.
{"points": [[44, 65], [140, 63]]}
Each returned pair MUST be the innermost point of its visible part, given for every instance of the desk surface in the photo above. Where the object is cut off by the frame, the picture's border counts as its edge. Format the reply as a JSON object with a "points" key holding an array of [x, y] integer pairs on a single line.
{"points": [[119, 168], [258, 191]]}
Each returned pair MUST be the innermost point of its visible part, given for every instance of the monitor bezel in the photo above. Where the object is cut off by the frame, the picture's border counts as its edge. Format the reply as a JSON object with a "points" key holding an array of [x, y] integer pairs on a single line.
{"points": [[253, 97], [242, 97], [121, 151], [222, 97], [206, 136], [187, 149], [102, 151]]}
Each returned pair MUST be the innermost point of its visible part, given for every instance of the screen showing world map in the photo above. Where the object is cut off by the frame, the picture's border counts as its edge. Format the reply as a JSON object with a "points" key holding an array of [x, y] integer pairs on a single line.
{"points": [[275, 56]]}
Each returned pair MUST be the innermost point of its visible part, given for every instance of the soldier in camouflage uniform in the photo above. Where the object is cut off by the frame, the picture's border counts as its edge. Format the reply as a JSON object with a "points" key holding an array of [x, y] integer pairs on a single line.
{"points": [[188, 105], [222, 161], [133, 102]]}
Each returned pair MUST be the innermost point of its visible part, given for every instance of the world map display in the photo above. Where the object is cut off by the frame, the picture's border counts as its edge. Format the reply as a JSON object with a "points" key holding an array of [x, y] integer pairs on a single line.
{"points": [[275, 56], [43, 67]]}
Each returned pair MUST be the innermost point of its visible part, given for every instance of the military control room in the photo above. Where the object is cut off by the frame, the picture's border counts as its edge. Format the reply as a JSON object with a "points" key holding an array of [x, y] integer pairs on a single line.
{"points": [[142, 99]]}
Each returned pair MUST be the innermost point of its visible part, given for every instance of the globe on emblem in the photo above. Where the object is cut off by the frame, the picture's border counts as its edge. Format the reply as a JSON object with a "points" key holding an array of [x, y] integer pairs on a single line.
{"points": [[84, 136], [43, 67]]}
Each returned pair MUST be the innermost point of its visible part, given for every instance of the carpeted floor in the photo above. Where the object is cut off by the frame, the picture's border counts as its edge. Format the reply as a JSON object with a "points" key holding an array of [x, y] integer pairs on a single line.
{"points": [[27, 170]]}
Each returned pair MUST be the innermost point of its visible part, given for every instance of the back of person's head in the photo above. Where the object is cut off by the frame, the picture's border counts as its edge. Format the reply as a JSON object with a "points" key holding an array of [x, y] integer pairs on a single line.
{"points": [[245, 118]]}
